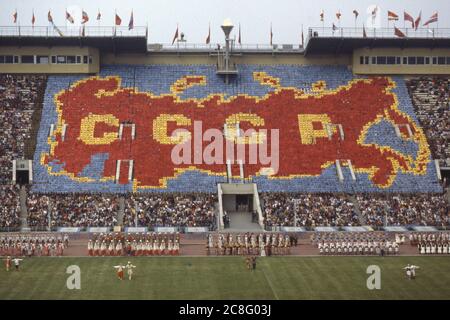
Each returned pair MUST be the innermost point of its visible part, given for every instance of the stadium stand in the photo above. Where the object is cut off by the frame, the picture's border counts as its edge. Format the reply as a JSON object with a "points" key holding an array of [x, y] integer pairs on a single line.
{"points": [[72, 210], [431, 100], [402, 209], [20, 95], [9, 208], [165, 210], [159, 79], [313, 210]]}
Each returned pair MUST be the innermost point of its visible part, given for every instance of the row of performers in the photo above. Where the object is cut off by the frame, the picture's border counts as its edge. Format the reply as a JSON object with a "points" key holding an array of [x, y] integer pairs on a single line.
{"points": [[32, 249], [134, 248], [248, 244], [358, 248], [130, 237], [440, 247], [416, 238]]}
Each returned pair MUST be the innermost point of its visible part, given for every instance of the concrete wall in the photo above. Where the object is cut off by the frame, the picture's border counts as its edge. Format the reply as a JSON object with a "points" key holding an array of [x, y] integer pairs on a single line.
{"points": [[51, 68], [400, 69], [205, 58]]}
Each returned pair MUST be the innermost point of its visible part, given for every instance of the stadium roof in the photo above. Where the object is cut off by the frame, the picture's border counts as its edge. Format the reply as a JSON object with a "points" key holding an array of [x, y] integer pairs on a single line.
{"points": [[114, 39], [345, 40]]}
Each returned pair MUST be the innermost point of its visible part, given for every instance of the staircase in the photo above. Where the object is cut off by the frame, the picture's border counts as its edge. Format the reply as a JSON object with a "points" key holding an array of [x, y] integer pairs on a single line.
{"points": [[23, 208], [362, 219], [121, 212], [242, 222]]}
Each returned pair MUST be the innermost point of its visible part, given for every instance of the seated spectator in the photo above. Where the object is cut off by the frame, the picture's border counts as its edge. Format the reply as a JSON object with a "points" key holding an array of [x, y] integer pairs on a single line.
{"points": [[313, 210], [167, 210]]}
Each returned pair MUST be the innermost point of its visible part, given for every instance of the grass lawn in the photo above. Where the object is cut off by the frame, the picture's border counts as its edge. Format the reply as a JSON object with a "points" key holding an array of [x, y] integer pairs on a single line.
{"points": [[228, 278]]}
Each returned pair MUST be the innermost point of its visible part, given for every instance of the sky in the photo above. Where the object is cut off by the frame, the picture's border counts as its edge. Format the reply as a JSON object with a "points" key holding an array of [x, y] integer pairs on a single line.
{"points": [[194, 16]]}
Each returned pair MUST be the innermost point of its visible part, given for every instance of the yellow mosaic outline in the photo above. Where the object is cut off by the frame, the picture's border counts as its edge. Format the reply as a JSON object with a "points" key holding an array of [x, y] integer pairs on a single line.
{"points": [[319, 91]]}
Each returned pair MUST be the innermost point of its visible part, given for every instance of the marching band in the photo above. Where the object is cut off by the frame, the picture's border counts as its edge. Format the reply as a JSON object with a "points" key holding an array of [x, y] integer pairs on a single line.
{"points": [[119, 244]]}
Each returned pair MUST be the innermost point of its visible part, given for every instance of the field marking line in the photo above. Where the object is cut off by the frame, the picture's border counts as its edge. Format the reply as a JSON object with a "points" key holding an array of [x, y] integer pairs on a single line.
{"points": [[270, 284]]}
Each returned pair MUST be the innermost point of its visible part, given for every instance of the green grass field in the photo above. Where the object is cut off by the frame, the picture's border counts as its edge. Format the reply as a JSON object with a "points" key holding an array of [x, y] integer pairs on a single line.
{"points": [[228, 278]]}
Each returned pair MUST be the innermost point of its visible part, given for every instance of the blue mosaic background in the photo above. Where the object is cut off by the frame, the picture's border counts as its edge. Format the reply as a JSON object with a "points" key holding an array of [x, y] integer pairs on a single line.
{"points": [[159, 78]]}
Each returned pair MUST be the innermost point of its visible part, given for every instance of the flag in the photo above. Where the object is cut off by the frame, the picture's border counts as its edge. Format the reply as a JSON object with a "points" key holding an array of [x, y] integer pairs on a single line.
{"points": [[57, 30], [15, 16], [131, 23], [364, 32], [175, 36], [321, 16], [334, 27], [271, 34], [303, 39], [356, 13], [374, 12], [408, 17], [433, 18], [69, 17], [208, 38], [417, 22], [33, 19], [84, 17], [239, 37], [99, 15], [118, 20], [49, 17], [338, 15], [392, 16], [398, 32]]}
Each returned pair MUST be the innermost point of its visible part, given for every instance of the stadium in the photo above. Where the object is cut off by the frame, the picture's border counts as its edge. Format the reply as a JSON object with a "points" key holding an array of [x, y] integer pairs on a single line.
{"points": [[134, 169]]}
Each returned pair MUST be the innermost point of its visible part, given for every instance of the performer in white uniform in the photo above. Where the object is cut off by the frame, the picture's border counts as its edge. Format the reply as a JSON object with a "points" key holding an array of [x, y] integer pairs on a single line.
{"points": [[130, 267], [17, 263]]}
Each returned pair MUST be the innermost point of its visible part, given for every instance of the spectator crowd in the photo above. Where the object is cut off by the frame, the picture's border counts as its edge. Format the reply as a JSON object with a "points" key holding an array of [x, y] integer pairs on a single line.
{"points": [[312, 210], [72, 210], [431, 99], [402, 209], [167, 210], [9, 207]]}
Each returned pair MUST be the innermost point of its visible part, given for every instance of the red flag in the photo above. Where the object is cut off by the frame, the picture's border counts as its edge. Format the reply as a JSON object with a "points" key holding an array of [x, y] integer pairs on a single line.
{"points": [[118, 20], [356, 13], [69, 17], [364, 32], [208, 38], [15, 16], [392, 16], [271, 34], [33, 19], [175, 36], [433, 18], [321, 16], [417, 22], [84, 17], [398, 32], [239, 37], [131, 23], [49, 17], [338, 15], [99, 15], [408, 17]]}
